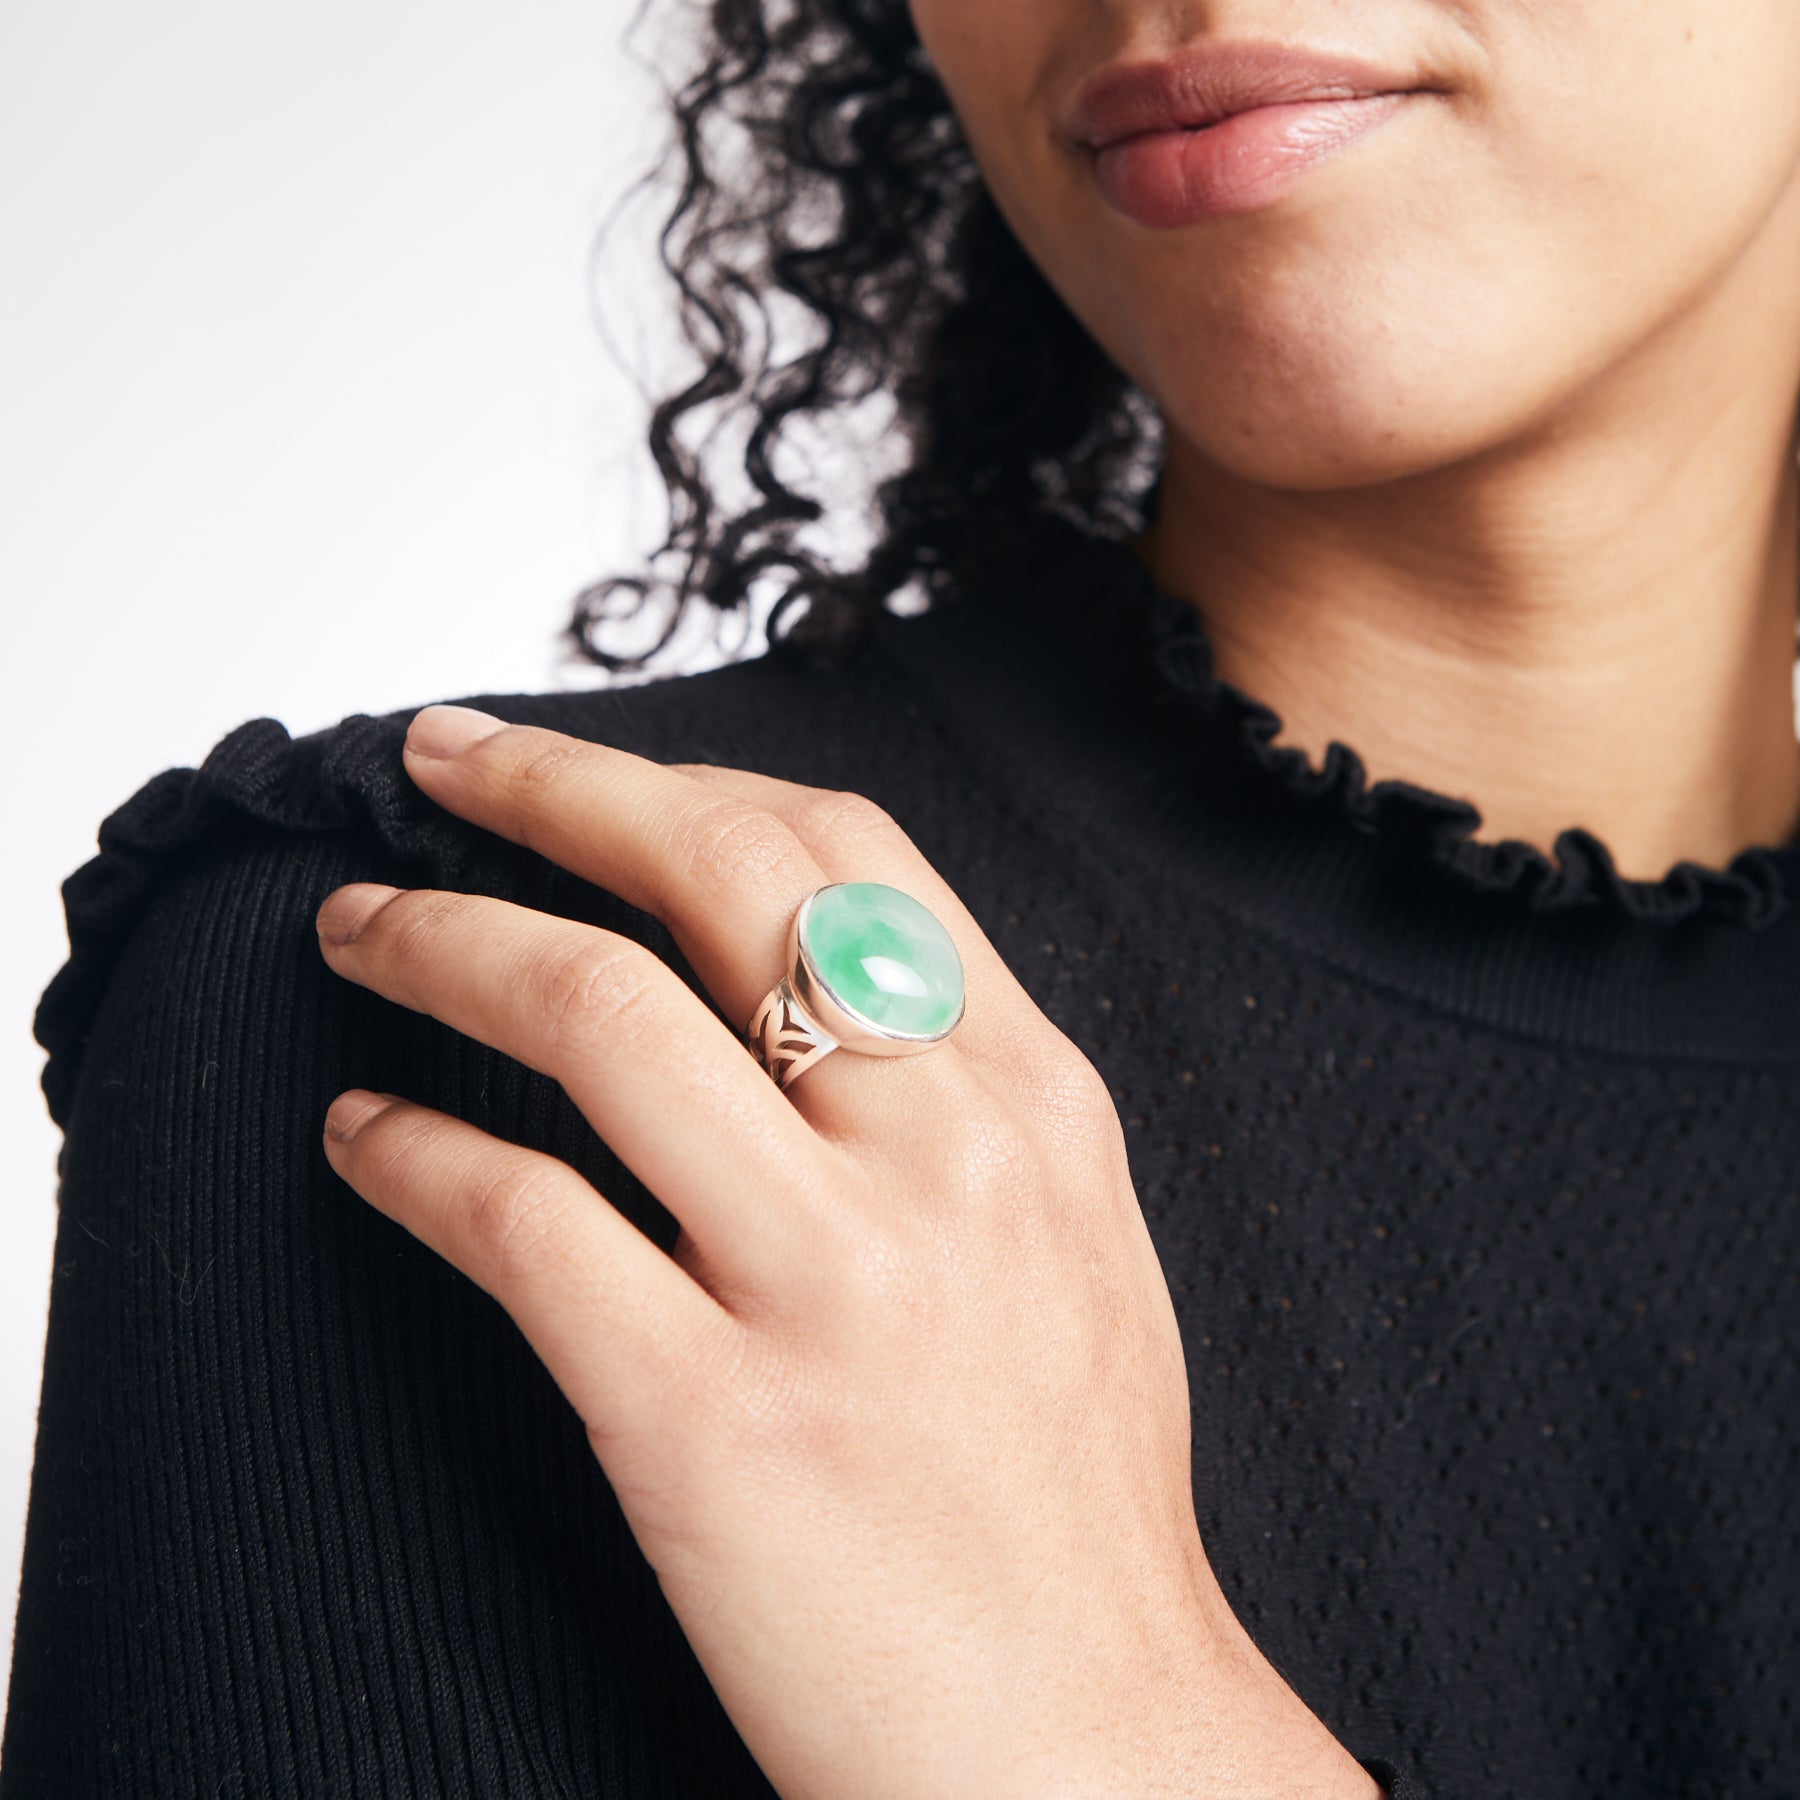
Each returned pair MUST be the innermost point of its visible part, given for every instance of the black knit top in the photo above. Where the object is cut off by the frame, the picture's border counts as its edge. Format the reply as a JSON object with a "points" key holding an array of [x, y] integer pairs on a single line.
{"points": [[1475, 1175]]}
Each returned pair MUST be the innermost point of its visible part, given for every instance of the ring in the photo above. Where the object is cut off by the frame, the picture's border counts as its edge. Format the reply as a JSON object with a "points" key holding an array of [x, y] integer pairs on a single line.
{"points": [[869, 970]]}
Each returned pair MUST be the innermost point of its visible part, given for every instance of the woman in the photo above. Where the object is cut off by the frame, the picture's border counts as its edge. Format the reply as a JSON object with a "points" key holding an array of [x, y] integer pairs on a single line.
{"points": [[1320, 1321]]}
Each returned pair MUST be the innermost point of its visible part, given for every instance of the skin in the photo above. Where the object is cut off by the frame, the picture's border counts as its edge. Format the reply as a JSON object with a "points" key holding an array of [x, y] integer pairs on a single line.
{"points": [[1480, 441], [1481, 459], [814, 1414]]}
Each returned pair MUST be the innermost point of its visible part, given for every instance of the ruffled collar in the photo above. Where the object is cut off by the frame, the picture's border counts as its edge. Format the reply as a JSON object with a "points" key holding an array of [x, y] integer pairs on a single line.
{"points": [[1429, 830]]}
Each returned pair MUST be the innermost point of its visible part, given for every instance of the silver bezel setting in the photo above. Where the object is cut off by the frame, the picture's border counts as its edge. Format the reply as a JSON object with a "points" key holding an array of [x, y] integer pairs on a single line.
{"points": [[801, 1021], [839, 1021]]}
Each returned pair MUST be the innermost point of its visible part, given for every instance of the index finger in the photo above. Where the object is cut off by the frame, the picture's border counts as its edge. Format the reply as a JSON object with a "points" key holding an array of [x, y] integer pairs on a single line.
{"points": [[725, 876]]}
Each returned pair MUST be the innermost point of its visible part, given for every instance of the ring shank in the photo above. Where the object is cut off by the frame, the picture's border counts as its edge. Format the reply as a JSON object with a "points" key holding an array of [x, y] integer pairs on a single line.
{"points": [[785, 1038]]}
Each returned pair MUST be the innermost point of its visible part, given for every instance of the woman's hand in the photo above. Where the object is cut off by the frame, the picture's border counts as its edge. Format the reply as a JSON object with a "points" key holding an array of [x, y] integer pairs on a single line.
{"points": [[903, 1426]]}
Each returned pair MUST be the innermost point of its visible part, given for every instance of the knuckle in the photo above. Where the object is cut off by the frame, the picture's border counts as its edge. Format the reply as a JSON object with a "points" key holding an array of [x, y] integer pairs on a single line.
{"points": [[1077, 1091], [729, 841], [411, 921], [985, 1146], [533, 786], [1076, 1105], [600, 990], [997, 1155], [514, 1212], [830, 816], [543, 767]]}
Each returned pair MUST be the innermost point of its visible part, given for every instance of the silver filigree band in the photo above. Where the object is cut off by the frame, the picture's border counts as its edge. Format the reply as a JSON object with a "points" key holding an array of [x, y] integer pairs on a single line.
{"points": [[785, 1038]]}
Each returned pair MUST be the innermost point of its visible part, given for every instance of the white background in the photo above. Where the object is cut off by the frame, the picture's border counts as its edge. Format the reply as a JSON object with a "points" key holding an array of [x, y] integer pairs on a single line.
{"points": [[304, 410]]}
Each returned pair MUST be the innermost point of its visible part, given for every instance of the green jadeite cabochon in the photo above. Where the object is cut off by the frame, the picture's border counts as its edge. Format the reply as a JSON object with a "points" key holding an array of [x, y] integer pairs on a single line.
{"points": [[884, 957]]}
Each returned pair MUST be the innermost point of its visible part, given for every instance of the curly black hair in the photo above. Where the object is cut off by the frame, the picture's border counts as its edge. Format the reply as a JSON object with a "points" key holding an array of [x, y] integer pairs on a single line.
{"points": [[832, 246]]}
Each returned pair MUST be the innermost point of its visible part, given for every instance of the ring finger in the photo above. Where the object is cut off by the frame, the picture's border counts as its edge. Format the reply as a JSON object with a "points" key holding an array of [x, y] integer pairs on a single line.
{"points": [[852, 840]]}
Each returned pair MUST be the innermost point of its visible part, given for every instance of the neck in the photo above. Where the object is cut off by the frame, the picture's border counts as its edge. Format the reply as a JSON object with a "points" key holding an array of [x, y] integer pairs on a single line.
{"points": [[1592, 628]]}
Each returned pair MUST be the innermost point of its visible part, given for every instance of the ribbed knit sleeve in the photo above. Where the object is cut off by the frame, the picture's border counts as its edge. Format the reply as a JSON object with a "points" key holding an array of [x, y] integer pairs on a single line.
{"points": [[308, 1517]]}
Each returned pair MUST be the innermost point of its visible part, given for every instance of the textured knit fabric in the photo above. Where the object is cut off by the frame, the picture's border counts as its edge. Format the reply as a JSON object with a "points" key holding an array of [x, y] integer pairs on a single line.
{"points": [[1473, 1172]]}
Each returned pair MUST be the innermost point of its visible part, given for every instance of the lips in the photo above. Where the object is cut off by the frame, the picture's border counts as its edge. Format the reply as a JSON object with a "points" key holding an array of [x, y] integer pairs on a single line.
{"points": [[1223, 128]]}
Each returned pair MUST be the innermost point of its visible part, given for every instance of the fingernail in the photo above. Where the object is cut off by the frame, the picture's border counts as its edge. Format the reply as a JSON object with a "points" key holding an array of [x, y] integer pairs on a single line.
{"points": [[350, 1112], [345, 912], [444, 731]]}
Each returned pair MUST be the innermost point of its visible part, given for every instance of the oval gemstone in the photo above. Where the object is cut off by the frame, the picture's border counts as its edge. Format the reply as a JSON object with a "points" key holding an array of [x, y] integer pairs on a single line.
{"points": [[884, 957]]}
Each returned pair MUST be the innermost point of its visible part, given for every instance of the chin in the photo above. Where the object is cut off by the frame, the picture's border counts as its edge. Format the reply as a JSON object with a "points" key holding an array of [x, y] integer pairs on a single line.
{"points": [[1321, 409], [1296, 449]]}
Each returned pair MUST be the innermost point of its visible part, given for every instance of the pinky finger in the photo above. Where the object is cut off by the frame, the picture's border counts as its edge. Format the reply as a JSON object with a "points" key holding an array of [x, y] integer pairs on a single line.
{"points": [[618, 1324]]}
